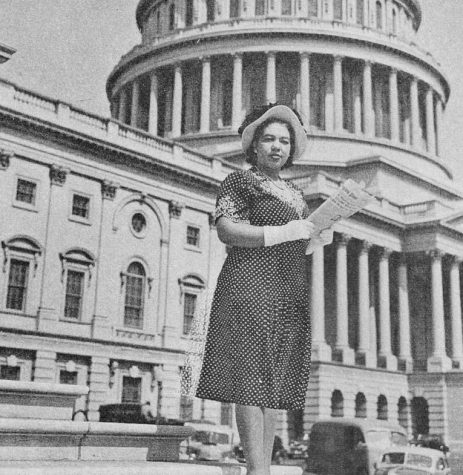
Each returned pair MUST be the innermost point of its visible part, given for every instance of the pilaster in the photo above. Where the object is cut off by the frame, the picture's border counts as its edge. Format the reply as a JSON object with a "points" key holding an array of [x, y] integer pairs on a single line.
{"points": [[271, 77], [45, 367], [98, 386]]}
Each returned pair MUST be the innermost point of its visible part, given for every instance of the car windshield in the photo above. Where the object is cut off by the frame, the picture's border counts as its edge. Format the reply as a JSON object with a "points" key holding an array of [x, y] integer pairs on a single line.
{"points": [[418, 460], [394, 458]]}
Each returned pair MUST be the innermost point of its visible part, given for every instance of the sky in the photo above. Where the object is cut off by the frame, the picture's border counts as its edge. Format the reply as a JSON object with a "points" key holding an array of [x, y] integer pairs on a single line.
{"points": [[67, 48]]}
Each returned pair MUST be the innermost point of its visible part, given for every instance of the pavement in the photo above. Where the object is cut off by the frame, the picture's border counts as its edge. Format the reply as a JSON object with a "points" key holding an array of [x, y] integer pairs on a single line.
{"points": [[132, 468]]}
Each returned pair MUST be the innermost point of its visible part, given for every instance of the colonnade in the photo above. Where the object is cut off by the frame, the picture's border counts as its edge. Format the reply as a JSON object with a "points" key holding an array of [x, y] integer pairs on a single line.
{"points": [[420, 118], [374, 346]]}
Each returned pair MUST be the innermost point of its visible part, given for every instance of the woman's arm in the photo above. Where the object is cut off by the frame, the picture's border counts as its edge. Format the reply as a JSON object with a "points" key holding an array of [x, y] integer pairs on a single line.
{"points": [[239, 234], [247, 235]]}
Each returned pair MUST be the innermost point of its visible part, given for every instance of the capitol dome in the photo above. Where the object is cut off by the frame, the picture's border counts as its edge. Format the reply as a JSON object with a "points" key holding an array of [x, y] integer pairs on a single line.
{"points": [[351, 67]]}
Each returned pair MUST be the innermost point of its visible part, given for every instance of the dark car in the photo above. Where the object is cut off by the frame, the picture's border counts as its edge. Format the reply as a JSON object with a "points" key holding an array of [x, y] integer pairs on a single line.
{"points": [[431, 441], [350, 446]]}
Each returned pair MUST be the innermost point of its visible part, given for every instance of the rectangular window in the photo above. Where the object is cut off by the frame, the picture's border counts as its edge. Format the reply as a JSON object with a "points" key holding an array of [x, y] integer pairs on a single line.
{"points": [[67, 377], [260, 7], [235, 8], [131, 389], [189, 307], [186, 408], [189, 13], [17, 285], [192, 236], [25, 191], [11, 373], [133, 315], [81, 206], [286, 7], [313, 8], [74, 292]]}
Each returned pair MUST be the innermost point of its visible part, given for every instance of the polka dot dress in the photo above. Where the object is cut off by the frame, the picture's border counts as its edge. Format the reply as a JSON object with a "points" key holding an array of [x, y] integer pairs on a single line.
{"points": [[258, 342]]}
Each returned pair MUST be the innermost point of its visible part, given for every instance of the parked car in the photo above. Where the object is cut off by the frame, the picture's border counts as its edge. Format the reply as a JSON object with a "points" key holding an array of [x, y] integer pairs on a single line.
{"points": [[350, 447], [210, 442], [431, 441], [412, 461]]}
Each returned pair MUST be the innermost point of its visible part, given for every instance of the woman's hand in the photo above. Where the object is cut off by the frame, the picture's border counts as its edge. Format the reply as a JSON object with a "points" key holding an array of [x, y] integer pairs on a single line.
{"points": [[292, 231], [323, 239]]}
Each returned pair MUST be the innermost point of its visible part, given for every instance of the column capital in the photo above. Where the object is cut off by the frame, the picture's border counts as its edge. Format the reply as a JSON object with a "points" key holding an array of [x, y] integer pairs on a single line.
{"points": [[414, 80], [205, 59], [178, 66], [456, 260], [237, 56], [368, 63], [5, 157], [385, 253], [175, 209], [270, 54], [58, 175], [435, 254], [338, 58], [403, 259], [305, 54], [342, 238], [108, 189], [365, 246], [393, 71]]}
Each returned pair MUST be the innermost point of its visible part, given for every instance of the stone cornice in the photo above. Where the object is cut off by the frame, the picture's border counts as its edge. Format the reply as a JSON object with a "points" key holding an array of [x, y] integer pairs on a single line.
{"points": [[119, 155]]}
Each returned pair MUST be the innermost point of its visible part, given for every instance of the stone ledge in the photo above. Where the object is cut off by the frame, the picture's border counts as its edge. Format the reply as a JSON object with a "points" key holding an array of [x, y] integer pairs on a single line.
{"points": [[25, 439]]}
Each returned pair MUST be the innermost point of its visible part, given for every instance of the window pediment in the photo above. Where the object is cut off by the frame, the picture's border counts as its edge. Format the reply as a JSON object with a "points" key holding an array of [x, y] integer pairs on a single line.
{"points": [[21, 245]]}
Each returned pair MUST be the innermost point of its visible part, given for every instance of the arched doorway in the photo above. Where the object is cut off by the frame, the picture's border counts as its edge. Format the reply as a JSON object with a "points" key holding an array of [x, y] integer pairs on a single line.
{"points": [[420, 415], [337, 404], [402, 409]]}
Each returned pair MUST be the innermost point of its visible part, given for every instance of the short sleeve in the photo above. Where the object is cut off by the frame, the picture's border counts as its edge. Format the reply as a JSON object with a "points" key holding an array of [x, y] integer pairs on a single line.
{"points": [[233, 198]]}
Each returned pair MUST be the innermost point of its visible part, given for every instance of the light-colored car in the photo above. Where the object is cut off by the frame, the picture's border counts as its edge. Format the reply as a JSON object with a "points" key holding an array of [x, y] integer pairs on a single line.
{"points": [[412, 461]]}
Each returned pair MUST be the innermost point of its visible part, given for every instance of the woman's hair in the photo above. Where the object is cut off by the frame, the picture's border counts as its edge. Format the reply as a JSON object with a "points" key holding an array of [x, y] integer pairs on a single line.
{"points": [[257, 112]]}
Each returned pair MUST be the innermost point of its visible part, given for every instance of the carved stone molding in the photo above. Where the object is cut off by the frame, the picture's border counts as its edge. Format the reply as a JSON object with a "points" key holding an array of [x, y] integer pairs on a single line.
{"points": [[435, 254], [175, 209], [58, 175], [5, 157], [365, 246], [385, 253], [109, 189]]}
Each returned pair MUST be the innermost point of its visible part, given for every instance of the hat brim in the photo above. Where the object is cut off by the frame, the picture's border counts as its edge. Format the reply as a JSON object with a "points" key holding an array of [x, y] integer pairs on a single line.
{"points": [[284, 114]]}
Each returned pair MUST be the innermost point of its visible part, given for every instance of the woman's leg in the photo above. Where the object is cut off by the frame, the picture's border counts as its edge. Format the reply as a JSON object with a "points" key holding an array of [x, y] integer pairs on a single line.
{"points": [[250, 422], [270, 420]]}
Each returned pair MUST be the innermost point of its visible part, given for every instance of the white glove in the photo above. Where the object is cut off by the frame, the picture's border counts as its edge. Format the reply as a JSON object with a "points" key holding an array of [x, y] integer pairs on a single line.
{"points": [[292, 231], [323, 239]]}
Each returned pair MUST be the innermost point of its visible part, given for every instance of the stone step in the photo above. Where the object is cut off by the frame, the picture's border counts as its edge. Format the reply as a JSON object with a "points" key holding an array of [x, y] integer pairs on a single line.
{"points": [[132, 468]]}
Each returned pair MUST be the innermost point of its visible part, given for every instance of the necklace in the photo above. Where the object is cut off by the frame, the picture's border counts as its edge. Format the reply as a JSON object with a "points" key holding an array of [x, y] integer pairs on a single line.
{"points": [[279, 183]]}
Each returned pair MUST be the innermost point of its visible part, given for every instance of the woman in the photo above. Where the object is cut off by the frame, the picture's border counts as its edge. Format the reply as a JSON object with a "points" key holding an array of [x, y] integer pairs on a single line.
{"points": [[257, 351]]}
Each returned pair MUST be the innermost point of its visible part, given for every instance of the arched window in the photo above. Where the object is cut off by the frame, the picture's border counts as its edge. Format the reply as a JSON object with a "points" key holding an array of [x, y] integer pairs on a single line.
{"points": [[337, 404], [360, 405], [402, 408], [260, 7], [420, 415], [360, 16], [382, 408], [313, 8], [135, 284], [379, 15], [172, 16], [234, 8], [337, 10]]}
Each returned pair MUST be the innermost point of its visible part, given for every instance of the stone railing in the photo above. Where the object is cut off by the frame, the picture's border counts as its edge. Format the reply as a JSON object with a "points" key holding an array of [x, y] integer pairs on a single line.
{"points": [[293, 24], [95, 127]]}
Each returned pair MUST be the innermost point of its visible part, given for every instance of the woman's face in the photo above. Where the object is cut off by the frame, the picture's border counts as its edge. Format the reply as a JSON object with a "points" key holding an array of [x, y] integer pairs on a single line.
{"points": [[273, 147]]}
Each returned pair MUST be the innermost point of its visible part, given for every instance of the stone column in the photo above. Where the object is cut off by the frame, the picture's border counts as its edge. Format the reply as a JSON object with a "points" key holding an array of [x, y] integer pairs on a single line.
{"points": [[338, 102], [135, 102], [439, 361], [364, 350], [405, 354], [271, 94], [177, 102], [394, 104], [45, 367], [368, 124], [153, 107], [430, 131], [415, 113], [342, 314], [98, 386], [321, 351], [205, 94], [305, 86], [170, 387], [385, 349], [122, 105], [237, 89], [455, 312], [52, 283]]}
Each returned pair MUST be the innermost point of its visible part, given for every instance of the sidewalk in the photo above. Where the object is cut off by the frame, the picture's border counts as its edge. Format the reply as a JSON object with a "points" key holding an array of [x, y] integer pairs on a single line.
{"points": [[132, 468]]}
